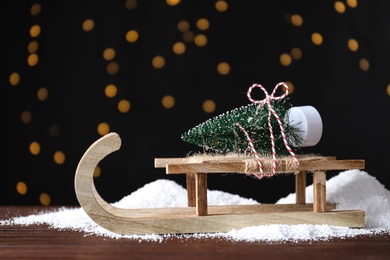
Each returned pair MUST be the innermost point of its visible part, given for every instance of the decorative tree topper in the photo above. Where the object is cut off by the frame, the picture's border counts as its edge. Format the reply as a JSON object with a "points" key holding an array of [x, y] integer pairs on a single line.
{"points": [[263, 128]]}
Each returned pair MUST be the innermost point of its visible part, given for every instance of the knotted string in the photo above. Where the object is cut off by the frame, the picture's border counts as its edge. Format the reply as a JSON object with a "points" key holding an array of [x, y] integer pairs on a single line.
{"points": [[271, 111]]}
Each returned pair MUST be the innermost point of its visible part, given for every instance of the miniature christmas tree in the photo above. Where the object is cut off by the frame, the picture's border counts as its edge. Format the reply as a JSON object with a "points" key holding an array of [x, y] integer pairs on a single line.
{"points": [[233, 131]]}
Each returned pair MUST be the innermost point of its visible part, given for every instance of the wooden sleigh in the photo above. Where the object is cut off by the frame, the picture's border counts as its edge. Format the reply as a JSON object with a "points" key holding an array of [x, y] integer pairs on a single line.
{"points": [[199, 217]]}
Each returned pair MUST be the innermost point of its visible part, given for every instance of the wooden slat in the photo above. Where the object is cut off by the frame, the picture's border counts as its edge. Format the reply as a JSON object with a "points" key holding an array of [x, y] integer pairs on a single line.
{"points": [[241, 166]]}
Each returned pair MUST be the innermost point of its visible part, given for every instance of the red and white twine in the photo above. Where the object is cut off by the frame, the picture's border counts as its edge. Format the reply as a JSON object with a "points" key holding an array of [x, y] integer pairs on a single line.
{"points": [[271, 111]]}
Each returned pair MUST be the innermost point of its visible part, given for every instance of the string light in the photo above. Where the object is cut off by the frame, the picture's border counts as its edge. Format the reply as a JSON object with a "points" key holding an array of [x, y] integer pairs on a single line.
{"points": [[316, 38], [45, 199], [14, 78], [221, 6], [352, 3], [209, 106], [97, 172], [296, 53], [168, 101], [35, 148], [285, 59], [21, 188], [203, 24], [183, 26], [132, 36], [353, 45], [110, 90], [32, 60], [26, 117], [103, 128], [339, 7], [42, 94], [88, 25], [158, 62], [35, 9], [112, 68], [179, 48], [131, 4], [109, 54], [32, 47], [223, 68], [200, 40], [59, 157], [296, 20], [124, 106], [364, 64]]}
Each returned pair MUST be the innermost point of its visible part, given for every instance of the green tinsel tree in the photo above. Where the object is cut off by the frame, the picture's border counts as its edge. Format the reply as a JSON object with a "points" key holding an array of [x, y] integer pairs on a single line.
{"points": [[221, 134]]}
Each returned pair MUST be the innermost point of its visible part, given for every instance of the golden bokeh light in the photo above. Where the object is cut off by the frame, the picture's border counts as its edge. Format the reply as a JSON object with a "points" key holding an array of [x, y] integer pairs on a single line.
{"points": [[110, 90], [54, 130], [353, 45], [352, 3], [45, 199], [179, 48], [97, 172], [223, 68], [200, 40], [112, 68], [14, 78], [32, 47], [364, 64], [35, 148], [103, 128], [35, 9], [35, 31], [88, 25], [316, 38], [32, 60], [183, 26], [21, 188], [132, 36], [290, 87], [59, 157], [173, 2], [130, 4], [168, 101], [203, 24], [296, 53], [388, 90], [339, 7], [26, 117], [188, 36], [124, 106], [285, 59], [296, 20], [158, 62], [221, 6], [109, 54], [42, 94], [209, 106]]}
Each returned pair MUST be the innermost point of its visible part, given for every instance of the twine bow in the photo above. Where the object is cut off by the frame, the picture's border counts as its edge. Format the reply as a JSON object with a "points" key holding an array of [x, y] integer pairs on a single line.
{"points": [[267, 101]]}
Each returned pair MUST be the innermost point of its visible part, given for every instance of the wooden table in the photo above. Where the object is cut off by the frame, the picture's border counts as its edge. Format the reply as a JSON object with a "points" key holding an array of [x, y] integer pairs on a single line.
{"points": [[42, 242]]}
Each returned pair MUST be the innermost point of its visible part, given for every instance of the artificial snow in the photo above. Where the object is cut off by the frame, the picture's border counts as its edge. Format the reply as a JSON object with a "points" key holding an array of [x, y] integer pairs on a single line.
{"points": [[352, 189]]}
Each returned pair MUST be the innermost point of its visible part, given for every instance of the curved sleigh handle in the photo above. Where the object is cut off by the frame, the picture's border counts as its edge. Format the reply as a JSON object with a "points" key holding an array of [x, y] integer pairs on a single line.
{"points": [[86, 193]]}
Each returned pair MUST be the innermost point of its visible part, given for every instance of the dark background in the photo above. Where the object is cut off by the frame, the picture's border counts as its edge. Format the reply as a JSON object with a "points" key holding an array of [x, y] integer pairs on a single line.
{"points": [[349, 88]]}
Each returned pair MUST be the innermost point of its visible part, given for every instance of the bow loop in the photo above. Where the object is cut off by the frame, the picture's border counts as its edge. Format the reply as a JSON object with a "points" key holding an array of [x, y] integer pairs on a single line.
{"points": [[267, 100]]}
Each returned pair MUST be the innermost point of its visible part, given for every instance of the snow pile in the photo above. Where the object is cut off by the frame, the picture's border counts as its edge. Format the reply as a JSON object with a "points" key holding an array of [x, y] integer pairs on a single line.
{"points": [[352, 189]]}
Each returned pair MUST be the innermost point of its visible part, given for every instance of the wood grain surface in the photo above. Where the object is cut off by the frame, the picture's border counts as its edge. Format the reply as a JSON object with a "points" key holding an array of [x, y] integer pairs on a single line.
{"points": [[42, 242]]}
